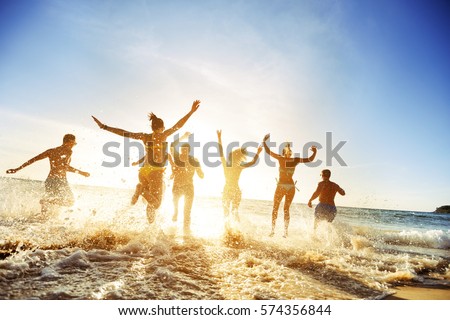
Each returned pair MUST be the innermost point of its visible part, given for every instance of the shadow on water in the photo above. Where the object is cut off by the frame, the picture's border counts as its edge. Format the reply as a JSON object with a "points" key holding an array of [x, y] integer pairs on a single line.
{"points": [[344, 283], [308, 263], [102, 239], [106, 266]]}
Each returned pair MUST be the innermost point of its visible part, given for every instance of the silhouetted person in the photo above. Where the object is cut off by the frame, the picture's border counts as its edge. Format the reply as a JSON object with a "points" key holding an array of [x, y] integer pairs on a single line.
{"points": [[184, 166], [286, 186], [151, 174], [232, 168], [57, 190], [326, 191]]}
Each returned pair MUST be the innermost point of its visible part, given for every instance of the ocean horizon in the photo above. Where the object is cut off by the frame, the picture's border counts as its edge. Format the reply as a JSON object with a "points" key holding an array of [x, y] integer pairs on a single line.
{"points": [[104, 248]]}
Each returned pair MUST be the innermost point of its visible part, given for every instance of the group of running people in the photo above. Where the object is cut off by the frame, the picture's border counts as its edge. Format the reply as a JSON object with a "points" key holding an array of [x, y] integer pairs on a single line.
{"points": [[184, 166]]}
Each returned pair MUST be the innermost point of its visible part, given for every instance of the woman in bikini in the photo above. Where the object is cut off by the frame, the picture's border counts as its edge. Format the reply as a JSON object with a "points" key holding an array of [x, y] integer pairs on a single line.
{"points": [[286, 186], [151, 174], [232, 168]]}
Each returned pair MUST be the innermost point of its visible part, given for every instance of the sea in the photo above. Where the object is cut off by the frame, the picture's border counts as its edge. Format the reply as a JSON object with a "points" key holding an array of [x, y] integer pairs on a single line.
{"points": [[104, 248]]}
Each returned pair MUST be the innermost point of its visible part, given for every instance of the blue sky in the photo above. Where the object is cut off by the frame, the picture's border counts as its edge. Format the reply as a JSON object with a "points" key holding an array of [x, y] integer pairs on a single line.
{"points": [[375, 74]]}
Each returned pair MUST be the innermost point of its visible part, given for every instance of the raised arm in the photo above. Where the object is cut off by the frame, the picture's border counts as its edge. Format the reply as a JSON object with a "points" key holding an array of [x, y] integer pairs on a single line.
{"points": [[183, 120], [255, 158], [198, 169], [309, 159], [40, 156], [118, 131], [222, 157], [272, 154]]}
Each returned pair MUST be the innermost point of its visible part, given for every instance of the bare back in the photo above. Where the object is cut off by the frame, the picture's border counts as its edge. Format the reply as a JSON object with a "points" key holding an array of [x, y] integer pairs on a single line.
{"points": [[328, 190], [184, 174], [156, 148], [232, 175], [59, 158]]}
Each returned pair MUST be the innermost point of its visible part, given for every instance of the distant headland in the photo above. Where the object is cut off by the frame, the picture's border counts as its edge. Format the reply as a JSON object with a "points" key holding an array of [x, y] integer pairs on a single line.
{"points": [[443, 209]]}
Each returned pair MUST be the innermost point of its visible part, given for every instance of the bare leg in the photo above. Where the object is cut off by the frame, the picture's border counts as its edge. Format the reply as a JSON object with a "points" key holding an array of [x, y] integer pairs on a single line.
{"points": [[316, 223], [287, 204], [236, 201], [226, 204], [278, 196], [188, 201], [45, 206], [153, 192], [57, 193], [137, 193], [235, 214], [176, 200], [151, 213], [153, 203]]}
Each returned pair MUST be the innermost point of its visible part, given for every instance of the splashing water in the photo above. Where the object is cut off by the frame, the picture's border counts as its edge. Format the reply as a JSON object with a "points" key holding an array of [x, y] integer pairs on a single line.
{"points": [[103, 248]]}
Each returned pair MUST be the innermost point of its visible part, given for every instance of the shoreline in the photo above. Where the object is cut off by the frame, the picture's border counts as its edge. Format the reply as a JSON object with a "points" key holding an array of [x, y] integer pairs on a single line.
{"points": [[411, 292], [269, 199]]}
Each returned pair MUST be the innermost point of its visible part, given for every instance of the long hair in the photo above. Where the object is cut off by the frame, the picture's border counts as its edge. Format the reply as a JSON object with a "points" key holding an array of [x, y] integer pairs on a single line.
{"points": [[236, 156], [157, 123], [286, 148]]}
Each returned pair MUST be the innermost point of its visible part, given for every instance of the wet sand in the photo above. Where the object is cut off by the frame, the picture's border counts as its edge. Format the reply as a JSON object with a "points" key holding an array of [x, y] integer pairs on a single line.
{"points": [[420, 293]]}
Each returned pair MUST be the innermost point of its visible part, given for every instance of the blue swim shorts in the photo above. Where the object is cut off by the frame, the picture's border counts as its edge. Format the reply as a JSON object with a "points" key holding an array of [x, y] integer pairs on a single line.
{"points": [[325, 211]]}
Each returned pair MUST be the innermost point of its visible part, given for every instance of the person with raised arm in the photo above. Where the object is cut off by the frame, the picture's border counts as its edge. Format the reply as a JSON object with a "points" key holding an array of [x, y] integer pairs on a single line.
{"points": [[184, 166], [285, 186], [57, 189], [151, 174], [232, 168]]}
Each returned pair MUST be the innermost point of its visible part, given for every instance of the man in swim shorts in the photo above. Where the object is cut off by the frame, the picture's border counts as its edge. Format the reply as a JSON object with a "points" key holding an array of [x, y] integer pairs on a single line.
{"points": [[326, 191], [57, 189]]}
